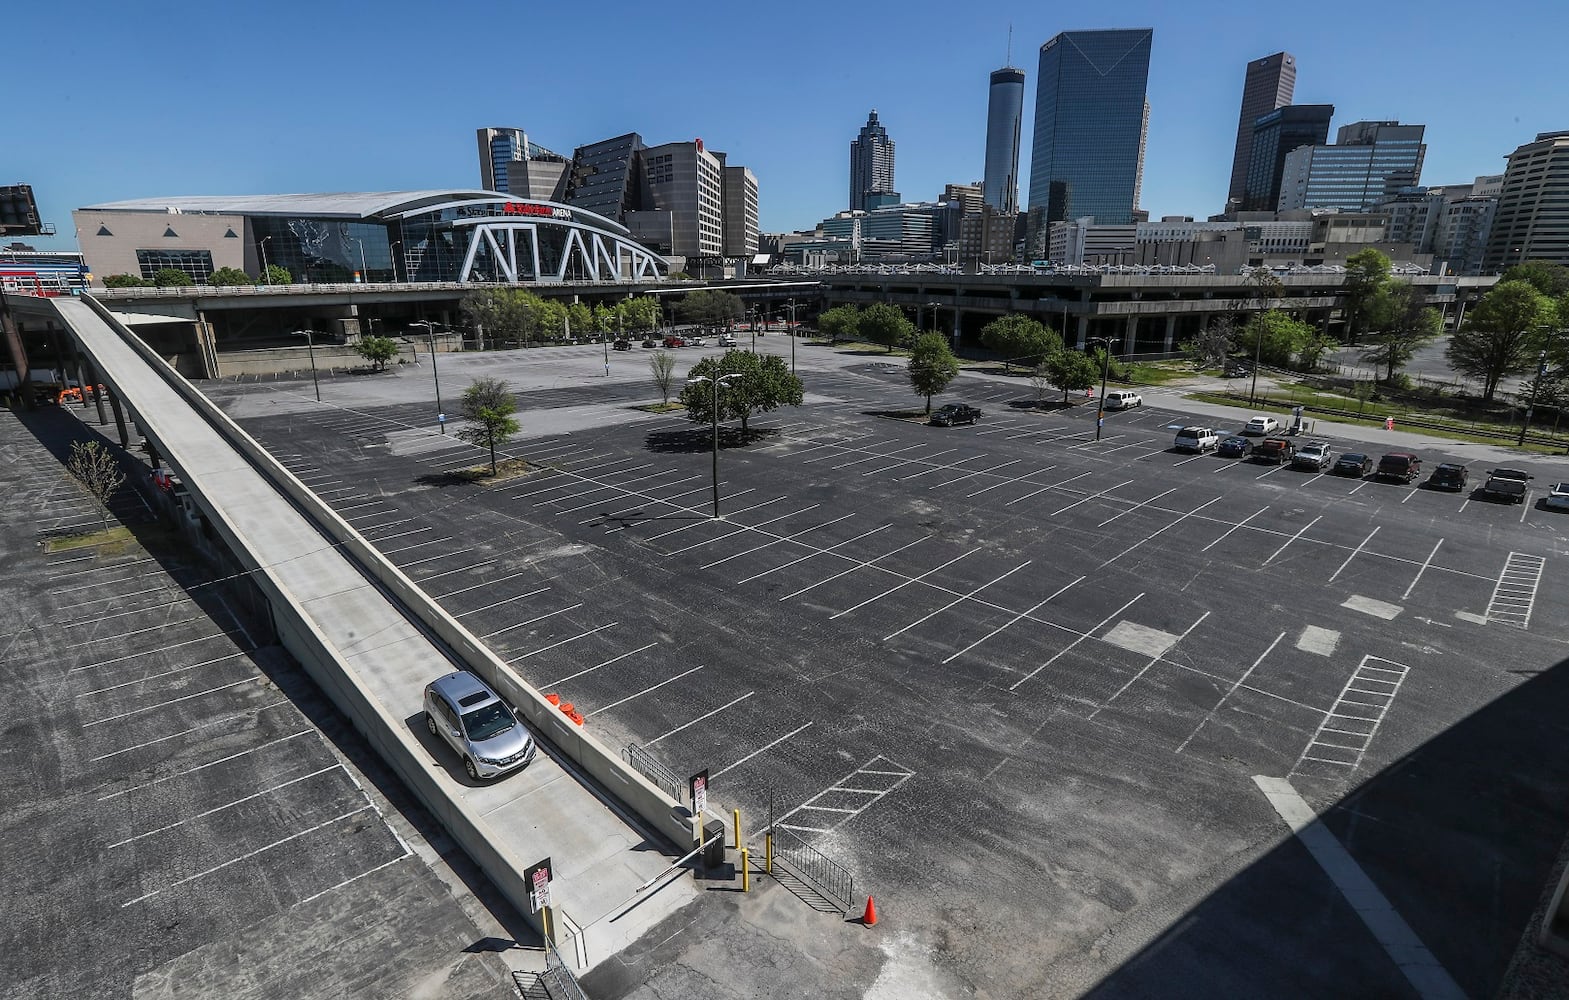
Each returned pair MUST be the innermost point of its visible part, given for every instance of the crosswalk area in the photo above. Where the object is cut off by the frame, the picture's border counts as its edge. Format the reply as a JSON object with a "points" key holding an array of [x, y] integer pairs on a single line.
{"points": [[1341, 740]]}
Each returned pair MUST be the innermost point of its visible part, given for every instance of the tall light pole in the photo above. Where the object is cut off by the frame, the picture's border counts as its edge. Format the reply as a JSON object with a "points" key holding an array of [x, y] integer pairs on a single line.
{"points": [[1105, 367], [266, 278], [430, 331], [715, 383], [1536, 387], [310, 345], [791, 306]]}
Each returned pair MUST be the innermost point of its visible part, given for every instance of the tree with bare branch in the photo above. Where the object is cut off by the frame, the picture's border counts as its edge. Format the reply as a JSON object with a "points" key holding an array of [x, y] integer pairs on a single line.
{"points": [[96, 473]]}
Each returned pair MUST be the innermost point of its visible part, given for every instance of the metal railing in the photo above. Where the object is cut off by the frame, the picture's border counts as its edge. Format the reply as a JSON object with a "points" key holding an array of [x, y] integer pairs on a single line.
{"points": [[825, 876], [654, 771], [556, 983]]}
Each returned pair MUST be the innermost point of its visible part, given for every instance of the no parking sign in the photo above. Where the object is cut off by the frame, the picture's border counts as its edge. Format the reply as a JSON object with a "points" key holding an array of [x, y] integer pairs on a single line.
{"points": [[699, 782], [538, 878]]}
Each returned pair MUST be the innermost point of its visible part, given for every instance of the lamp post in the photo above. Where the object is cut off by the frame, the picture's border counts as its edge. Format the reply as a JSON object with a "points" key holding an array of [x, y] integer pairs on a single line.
{"points": [[310, 345], [394, 256], [430, 331], [715, 412], [1536, 387], [266, 279], [791, 306], [1105, 366]]}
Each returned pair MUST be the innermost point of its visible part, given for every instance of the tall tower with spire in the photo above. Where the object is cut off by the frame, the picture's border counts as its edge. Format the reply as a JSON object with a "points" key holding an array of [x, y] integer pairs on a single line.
{"points": [[871, 165]]}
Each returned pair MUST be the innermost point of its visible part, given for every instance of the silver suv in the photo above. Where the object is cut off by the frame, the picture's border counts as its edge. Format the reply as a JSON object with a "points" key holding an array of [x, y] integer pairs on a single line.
{"points": [[463, 710]]}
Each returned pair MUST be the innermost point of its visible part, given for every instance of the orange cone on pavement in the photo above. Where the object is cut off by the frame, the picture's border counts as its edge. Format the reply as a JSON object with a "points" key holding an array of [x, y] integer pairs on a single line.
{"points": [[869, 918]]}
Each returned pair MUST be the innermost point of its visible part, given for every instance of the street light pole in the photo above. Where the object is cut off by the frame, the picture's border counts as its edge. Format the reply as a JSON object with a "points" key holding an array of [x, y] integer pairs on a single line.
{"points": [[1258, 346], [430, 331], [714, 382], [310, 345], [1536, 387], [791, 306], [266, 279], [1105, 367]]}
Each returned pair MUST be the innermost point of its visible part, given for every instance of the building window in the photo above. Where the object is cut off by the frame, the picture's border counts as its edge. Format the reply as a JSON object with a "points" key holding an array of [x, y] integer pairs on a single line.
{"points": [[196, 263]]}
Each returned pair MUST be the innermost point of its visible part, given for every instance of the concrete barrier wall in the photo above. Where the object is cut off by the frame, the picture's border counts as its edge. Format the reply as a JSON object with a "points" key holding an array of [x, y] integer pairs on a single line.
{"points": [[604, 764]]}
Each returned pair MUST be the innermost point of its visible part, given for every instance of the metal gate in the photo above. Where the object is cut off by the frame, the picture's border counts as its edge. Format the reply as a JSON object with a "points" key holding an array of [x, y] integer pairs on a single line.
{"points": [[556, 983], [654, 771], [823, 877]]}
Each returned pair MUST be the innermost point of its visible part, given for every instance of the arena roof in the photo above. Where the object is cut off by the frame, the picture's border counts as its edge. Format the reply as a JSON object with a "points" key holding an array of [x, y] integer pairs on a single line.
{"points": [[353, 205]]}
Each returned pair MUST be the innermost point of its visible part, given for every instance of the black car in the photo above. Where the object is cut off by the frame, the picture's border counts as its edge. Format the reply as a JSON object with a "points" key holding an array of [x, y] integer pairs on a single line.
{"points": [[955, 413], [1448, 476], [1234, 447], [1353, 464], [1399, 465], [650, 342], [622, 345]]}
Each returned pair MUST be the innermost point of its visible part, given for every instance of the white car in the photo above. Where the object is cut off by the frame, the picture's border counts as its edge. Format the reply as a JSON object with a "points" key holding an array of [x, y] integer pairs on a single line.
{"points": [[1123, 399], [696, 342], [1199, 439], [1261, 426], [1313, 455], [725, 340], [1557, 497]]}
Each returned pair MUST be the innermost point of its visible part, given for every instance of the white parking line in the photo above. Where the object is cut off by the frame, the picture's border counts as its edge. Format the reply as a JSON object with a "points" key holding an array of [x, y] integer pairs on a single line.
{"points": [[1145, 669], [508, 600], [531, 621], [1043, 489], [810, 555], [1293, 538], [222, 721], [1419, 572], [903, 583], [1135, 507], [1353, 554], [700, 718], [705, 519], [563, 642], [776, 541], [589, 670], [972, 475], [1234, 527], [436, 576], [1010, 482], [1092, 496], [139, 631], [655, 687], [1064, 651], [1158, 532], [485, 583], [852, 569], [203, 767], [166, 673], [172, 701], [765, 747], [416, 545], [1012, 621], [1229, 692], [742, 530], [956, 601], [226, 805], [935, 468]]}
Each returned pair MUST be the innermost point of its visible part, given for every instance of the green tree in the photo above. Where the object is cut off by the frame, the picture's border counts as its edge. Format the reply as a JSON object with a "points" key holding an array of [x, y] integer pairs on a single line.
{"points": [[488, 405], [1551, 279], [580, 319], [932, 366], [663, 365], [1407, 323], [1265, 288], [840, 323], [277, 274], [125, 281], [1275, 338], [1020, 338], [1313, 350], [885, 324], [229, 276], [1210, 347], [1500, 334], [1367, 272], [1068, 370], [171, 277], [710, 308], [764, 384], [640, 312], [377, 350], [550, 317]]}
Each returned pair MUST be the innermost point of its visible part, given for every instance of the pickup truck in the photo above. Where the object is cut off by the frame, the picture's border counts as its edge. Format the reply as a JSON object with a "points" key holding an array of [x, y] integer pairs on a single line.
{"points": [[1275, 450], [1506, 485]]}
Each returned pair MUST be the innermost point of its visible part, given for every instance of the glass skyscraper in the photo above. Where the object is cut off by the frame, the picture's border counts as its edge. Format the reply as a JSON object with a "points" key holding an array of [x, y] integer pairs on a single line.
{"points": [[871, 165], [1368, 165], [1004, 116], [1269, 84], [1274, 135], [1090, 120]]}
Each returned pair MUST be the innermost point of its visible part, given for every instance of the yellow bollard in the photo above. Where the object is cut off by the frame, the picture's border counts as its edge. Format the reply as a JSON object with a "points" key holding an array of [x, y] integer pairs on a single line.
{"points": [[737, 815], [746, 872], [768, 853]]}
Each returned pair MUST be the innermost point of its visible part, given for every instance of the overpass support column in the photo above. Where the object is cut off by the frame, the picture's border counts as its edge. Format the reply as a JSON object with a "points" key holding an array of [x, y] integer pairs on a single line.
{"points": [[119, 419], [98, 396], [1081, 326], [1171, 331], [1130, 330], [206, 347]]}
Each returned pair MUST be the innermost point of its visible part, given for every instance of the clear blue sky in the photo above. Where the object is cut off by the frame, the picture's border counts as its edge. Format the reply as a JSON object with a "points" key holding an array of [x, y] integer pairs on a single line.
{"points": [[112, 100]]}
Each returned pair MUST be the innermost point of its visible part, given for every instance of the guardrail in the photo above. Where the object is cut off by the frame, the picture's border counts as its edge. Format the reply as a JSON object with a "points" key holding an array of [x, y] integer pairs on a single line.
{"points": [[208, 291], [816, 869], [654, 771]]}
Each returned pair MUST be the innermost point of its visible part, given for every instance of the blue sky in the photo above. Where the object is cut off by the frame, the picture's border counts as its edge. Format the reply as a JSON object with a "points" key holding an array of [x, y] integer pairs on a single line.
{"points": [[114, 100]]}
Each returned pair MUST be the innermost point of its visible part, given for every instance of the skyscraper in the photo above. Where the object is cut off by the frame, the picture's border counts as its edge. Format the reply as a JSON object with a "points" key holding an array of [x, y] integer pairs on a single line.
{"points": [[1532, 221], [1269, 85], [1275, 134], [1004, 116], [1090, 121], [509, 163], [1368, 165], [871, 164]]}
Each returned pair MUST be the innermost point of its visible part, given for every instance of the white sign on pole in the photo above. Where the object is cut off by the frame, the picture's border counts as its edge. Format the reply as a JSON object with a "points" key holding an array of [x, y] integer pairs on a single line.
{"points": [[700, 793], [539, 884]]}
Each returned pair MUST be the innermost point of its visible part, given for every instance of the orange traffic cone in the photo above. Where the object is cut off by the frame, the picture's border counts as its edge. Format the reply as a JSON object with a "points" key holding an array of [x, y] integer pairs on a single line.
{"points": [[553, 698], [869, 918]]}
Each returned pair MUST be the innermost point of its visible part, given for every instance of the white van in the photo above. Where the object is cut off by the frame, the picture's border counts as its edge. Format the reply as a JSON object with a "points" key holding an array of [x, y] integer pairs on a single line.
{"points": [[1123, 399]]}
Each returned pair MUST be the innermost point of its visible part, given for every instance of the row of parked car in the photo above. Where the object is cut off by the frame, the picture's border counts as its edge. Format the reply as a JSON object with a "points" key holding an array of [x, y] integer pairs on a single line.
{"points": [[674, 340], [1503, 485]]}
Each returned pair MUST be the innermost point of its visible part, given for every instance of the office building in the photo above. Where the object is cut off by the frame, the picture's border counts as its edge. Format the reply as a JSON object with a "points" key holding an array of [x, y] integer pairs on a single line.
{"points": [[740, 212], [1091, 125], [1269, 84], [986, 237], [1532, 220], [687, 181], [1004, 118], [1274, 135], [1461, 232], [906, 231], [607, 177], [871, 166], [510, 164], [1369, 163]]}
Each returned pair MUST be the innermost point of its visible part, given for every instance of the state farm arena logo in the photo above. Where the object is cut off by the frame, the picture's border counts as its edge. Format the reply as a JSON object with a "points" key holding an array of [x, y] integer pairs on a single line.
{"points": [[543, 211]]}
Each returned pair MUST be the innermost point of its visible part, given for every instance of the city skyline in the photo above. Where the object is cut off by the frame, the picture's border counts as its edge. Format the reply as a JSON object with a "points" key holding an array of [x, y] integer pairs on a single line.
{"points": [[349, 123]]}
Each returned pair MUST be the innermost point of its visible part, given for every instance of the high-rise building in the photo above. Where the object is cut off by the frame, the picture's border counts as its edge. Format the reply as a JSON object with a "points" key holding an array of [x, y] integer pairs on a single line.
{"points": [[687, 181], [1269, 84], [606, 177], [1090, 124], [1532, 221], [509, 163], [1368, 165], [740, 212], [1275, 134], [1004, 118], [871, 164]]}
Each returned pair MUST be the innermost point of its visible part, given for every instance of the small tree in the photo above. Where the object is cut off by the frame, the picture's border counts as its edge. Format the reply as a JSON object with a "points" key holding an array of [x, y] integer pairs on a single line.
{"points": [[1214, 343], [1499, 336], [488, 406], [1275, 338], [640, 313], [96, 473], [581, 320], [1367, 272], [1407, 323], [277, 274], [1068, 370], [229, 276], [377, 350], [884, 324], [764, 384], [840, 323], [663, 365], [172, 277], [1019, 338], [125, 281], [932, 366]]}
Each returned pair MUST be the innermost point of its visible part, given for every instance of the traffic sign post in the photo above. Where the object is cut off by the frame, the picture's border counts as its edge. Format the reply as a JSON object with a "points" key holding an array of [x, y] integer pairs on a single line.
{"points": [[699, 785]]}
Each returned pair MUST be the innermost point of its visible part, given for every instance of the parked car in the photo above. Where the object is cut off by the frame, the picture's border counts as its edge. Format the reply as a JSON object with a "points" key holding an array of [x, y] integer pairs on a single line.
{"points": [[1235, 447], [1353, 464], [1238, 369], [955, 413], [1506, 485], [1123, 399], [674, 341], [1199, 439], [622, 345], [696, 342], [725, 340], [463, 711], [1261, 426], [1557, 497], [1313, 455], [1449, 476], [1401, 465], [1275, 450], [650, 342]]}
